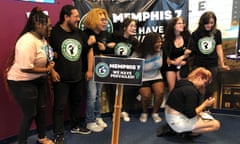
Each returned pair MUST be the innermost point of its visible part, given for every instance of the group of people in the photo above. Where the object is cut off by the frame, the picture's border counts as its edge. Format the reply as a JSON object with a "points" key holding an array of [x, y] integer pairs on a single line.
{"points": [[66, 53], [192, 94]]}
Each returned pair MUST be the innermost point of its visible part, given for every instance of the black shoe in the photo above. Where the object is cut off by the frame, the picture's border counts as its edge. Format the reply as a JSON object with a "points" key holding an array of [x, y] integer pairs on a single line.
{"points": [[165, 130], [80, 130], [188, 135], [59, 139]]}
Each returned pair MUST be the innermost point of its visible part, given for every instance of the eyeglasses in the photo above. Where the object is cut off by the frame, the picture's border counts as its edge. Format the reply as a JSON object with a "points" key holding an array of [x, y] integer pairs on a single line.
{"points": [[103, 20], [180, 23]]}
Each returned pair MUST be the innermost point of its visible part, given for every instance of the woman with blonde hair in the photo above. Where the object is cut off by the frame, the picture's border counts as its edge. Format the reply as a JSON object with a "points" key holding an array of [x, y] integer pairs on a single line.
{"points": [[96, 38]]}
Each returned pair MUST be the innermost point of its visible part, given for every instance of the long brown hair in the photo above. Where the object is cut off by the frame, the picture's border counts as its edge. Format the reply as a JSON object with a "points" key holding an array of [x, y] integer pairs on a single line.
{"points": [[204, 19], [170, 34]]}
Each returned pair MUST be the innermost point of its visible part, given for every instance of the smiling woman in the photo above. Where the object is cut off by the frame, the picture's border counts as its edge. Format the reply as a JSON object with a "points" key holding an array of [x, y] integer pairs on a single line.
{"points": [[26, 73]]}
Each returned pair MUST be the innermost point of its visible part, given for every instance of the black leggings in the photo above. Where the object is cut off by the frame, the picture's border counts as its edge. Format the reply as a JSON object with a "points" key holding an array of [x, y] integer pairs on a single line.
{"points": [[30, 96]]}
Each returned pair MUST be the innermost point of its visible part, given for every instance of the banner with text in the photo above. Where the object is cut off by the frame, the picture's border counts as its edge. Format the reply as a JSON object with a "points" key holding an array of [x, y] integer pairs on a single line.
{"points": [[152, 15], [116, 70]]}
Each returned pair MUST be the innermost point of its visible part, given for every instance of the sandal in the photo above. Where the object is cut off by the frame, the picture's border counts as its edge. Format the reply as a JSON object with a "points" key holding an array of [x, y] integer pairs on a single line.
{"points": [[45, 141]]}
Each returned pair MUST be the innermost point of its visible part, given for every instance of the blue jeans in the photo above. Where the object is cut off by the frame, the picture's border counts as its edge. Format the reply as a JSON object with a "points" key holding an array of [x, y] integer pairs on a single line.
{"points": [[93, 100]]}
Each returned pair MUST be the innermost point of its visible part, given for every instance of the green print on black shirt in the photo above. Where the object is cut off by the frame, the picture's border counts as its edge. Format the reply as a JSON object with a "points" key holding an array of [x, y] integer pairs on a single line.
{"points": [[71, 49], [206, 45]]}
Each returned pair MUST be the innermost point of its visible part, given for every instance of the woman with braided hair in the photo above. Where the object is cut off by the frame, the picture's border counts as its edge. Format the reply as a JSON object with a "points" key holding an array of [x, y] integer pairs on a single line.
{"points": [[26, 74]]}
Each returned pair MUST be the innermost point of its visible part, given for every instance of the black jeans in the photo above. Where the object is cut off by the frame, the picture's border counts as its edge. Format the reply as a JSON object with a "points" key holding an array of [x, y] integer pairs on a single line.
{"points": [[30, 96], [62, 93], [213, 85]]}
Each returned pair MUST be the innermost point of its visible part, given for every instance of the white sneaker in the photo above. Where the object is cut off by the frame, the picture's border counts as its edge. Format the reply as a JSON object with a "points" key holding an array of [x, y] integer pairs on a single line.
{"points": [[143, 118], [94, 127], [101, 123], [125, 116], [156, 118]]}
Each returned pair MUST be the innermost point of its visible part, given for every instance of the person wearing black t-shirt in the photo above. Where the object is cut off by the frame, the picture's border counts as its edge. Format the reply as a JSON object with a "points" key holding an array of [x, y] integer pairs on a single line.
{"points": [[67, 76], [208, 48], [98, 41], [176, 50], [185, 109], [125, 44]]}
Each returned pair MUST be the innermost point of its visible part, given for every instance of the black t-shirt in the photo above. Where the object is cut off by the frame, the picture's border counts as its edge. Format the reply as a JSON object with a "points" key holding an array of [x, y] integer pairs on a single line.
{"points": [[184, 98], [104, 37], [169, 50], [205, 48], [69, 48], [124, 46]]}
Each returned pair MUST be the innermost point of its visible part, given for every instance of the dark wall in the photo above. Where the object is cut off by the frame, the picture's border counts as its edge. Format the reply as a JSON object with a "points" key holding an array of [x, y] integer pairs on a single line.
{"points": [[13, 18]]}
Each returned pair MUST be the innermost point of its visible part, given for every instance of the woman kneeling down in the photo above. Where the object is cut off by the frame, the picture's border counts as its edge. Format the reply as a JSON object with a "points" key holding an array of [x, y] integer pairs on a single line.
{"points": [[184, 109]]}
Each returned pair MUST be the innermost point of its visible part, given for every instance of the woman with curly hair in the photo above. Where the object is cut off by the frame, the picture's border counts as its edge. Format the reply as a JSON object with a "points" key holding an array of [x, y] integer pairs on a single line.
{"points": [[150, 50]]}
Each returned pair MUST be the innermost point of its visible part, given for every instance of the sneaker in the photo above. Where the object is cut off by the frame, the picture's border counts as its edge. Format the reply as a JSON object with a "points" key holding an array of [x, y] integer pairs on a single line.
{"points": [[125, 116], [101, 123], [80, 130], [143, 118], [59, 139], [45, 141], [94, 127], [156, 118]]}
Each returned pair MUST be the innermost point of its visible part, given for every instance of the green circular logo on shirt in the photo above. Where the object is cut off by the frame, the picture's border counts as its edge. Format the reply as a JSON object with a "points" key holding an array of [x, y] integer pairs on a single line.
{"points": [[122, 49], [206, 45], [71, 49]]}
